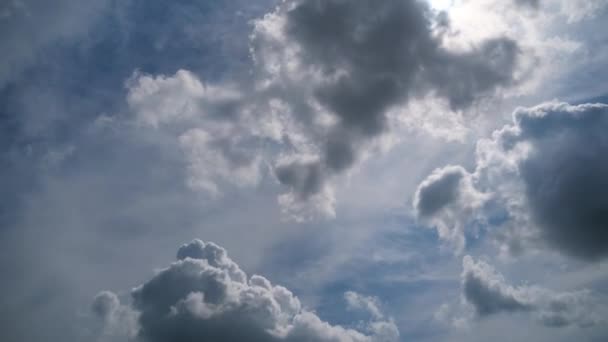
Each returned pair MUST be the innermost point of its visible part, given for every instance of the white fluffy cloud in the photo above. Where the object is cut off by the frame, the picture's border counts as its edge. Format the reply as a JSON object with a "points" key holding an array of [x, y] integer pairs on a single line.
{"points": [[206, 296], [322, 90]]}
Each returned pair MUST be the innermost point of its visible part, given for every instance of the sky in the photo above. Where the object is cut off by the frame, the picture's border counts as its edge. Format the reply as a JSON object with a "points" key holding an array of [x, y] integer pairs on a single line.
{"points": [[303, 170]]}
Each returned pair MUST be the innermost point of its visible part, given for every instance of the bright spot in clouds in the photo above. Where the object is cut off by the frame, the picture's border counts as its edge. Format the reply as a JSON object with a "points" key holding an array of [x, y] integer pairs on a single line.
{"points": [[441, 4]]}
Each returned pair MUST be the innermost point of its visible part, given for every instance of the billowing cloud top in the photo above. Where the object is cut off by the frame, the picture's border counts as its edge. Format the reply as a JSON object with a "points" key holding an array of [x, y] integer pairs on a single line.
{"points": [[206, 296], [547, 169]]}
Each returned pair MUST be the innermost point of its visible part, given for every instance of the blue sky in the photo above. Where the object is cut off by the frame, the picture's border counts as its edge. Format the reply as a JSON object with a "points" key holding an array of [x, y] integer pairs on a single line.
{"points": [[393, 171]]}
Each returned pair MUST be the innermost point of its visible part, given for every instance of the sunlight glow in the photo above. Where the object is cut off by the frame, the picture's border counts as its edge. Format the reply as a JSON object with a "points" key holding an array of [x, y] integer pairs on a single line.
{"points": [[441, 5]]}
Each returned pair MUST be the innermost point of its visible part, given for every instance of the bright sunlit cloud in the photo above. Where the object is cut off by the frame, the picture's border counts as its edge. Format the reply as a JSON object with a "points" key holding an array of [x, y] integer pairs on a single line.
{"points": [[441, 5]]}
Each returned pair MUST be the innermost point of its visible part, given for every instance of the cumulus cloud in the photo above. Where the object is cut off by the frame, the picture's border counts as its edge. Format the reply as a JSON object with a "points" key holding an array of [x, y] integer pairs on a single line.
{"points": [[206, 296], [547, 171], [563, 172], [326, 76], [351, 62], [321, 92], [447, 199], [489, 294], [579, 10], [119, 322]]}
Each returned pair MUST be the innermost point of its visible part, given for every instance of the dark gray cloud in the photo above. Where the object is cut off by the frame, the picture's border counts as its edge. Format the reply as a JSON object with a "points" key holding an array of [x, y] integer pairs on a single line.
{"points": [[439, 191], [549, 171], [206, 296], [530, 3], [487, 291], [448, 199], [358, 59], [489, 294], [565, 174], [306, 177], [104, 304]]}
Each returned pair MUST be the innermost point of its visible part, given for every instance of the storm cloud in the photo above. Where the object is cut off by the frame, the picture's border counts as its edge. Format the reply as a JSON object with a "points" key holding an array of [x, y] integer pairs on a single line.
{"points": [[564, 174], [548, 171]]}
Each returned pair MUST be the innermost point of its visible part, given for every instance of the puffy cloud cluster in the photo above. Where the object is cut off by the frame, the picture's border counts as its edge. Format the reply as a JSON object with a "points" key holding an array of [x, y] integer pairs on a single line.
{"points": [[327, 73], [488, 293], [206, 296], [547, 171], [208, 122], [578, 10], [351, 62]]}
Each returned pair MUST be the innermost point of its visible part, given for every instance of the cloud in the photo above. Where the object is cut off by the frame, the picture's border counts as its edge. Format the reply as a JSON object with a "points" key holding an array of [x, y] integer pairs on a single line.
{"points": [[489, 294], [447, 199], [206, 296], [119, 322], [319, 95], [548, 172], [206, 121], [535, 4], [564, 174], [579, 10], [342, 65], [358, 301]]}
